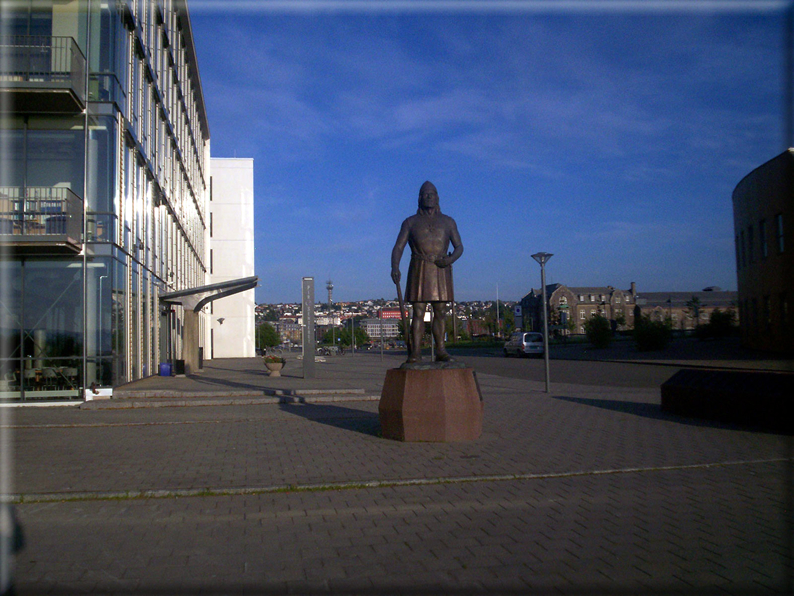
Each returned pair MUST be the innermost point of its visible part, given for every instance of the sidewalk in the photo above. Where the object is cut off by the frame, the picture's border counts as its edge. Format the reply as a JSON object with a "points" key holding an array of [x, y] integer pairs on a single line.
{"points": [[584, 490]]}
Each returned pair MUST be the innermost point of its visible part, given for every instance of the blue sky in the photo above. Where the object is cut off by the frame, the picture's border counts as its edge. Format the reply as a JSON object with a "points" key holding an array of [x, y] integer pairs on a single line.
{"points": [[609, 134]]}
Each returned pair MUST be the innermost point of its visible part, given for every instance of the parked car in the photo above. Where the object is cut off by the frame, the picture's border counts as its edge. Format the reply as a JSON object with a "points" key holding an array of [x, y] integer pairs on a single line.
{"points": [[524, 343]]}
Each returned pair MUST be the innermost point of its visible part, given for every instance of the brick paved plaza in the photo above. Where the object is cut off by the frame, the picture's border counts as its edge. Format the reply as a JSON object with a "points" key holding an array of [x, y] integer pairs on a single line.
{"points": [[588, 489]]}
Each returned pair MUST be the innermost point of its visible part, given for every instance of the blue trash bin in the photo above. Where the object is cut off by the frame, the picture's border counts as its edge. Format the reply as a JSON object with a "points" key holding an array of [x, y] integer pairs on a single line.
{"points": [[165, 369]]}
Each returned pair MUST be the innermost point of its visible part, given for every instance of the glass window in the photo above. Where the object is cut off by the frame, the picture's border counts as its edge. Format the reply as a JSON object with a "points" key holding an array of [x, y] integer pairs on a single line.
{"points": [[742, 250], [762, 238], [13, 146], [779, 233], [738, 254], [750, 245], [53, 309], [55, 153], [102, 178], [10, 308]]}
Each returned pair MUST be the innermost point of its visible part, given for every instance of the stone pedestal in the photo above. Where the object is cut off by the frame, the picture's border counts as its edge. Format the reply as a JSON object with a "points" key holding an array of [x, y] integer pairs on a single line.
{"points": [[441, 405]]}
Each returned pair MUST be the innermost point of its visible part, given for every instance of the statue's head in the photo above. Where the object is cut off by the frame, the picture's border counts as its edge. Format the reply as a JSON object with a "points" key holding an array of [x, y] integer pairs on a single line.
{"points": [[428, 196]]}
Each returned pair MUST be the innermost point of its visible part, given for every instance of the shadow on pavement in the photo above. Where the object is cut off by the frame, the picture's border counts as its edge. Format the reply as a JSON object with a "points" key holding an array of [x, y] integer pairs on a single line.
{"points": [[654, 411], [367, 423]]}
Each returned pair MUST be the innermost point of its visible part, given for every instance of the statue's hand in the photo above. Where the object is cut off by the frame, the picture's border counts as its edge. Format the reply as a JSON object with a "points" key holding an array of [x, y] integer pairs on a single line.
{"points": [[395, 276], [443, 262]]}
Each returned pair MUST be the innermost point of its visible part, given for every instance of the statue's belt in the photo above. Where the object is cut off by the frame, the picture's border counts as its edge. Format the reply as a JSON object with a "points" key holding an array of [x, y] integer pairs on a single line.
{"points": [[428, 258]]}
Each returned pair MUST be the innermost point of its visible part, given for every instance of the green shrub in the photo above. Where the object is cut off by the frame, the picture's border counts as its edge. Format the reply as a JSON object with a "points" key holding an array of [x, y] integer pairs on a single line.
{"points": [[652, 335], [721, 324], [598, 331]]}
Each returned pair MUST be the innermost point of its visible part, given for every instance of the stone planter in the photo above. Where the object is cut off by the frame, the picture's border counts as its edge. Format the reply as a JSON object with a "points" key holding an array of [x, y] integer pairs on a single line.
{"points": [[274, 368]]}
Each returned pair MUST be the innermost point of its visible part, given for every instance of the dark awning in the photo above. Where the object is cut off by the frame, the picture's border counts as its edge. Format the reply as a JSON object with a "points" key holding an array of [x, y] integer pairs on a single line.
{"points": [[196, 298]]}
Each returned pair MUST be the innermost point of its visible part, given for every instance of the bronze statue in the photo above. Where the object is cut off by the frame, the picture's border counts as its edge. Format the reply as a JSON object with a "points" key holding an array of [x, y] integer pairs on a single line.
{"points": [[429, 234]]}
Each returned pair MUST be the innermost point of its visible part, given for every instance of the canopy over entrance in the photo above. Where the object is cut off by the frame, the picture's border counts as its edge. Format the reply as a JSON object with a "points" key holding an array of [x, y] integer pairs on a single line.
{"points": [[193, 300], [197, 298]]}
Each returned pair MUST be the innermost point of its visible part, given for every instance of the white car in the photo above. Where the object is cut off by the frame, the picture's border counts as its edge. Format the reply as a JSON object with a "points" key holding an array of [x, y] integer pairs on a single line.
{"points": [[524, 343]]}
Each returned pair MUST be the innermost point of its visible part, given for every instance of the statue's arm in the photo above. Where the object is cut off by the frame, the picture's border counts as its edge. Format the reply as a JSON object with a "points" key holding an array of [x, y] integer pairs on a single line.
{"points": [[457, 247], [397, 251]]}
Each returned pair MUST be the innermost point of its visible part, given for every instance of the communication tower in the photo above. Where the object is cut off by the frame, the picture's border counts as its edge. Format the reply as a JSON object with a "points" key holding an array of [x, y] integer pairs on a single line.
{"points": [[329, 285]]}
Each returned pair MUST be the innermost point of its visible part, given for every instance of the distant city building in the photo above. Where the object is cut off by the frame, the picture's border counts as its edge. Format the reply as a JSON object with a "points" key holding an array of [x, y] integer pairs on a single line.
{"points": [[391, 327], [763, 211], [231, 229], [392, 313], [687, 310], [289, 330], [327, 320], [569, 308]]}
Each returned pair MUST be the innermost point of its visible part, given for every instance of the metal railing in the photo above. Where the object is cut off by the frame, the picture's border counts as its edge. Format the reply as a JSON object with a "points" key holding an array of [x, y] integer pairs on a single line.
{"points": [[43, 59], [40, 211]]}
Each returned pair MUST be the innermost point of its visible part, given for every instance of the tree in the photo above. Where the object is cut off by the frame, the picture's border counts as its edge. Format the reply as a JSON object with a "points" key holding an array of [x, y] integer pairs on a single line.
{"points": [[652, 335], [267, 336], [693, 306], [598, 331], [343, 336], [331, 334], [505, 317], [721, 324]]}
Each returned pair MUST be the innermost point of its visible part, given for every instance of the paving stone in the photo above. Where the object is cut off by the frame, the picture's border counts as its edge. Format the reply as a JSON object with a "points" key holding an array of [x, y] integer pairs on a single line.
{"points": [[558, 491]]}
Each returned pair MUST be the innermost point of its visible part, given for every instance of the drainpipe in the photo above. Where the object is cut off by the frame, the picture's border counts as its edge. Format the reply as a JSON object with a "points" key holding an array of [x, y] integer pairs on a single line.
{"points": [[85, 200]]}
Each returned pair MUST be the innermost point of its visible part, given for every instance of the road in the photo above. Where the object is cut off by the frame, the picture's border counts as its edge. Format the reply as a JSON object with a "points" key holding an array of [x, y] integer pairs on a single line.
{"points": [[576, 372]]}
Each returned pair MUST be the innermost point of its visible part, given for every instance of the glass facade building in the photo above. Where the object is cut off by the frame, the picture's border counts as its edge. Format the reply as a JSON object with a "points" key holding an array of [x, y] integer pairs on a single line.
{"points": [[104, 189]]}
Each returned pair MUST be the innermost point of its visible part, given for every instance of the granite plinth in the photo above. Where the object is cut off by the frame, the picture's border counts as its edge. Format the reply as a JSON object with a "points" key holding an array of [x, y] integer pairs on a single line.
{"points": [[435, 405]]}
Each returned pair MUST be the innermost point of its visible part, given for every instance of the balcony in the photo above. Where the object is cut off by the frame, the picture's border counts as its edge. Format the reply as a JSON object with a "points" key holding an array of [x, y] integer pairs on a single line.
{"points": [[42, 74], [40, 220]]}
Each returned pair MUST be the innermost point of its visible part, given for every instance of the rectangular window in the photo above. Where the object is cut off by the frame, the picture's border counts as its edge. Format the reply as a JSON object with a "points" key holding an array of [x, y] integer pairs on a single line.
{"points": [[738, 254], [742, 250], [767, 312], [750, 255], [762, 238], [754, 312], [779, 233], [210, 261]]}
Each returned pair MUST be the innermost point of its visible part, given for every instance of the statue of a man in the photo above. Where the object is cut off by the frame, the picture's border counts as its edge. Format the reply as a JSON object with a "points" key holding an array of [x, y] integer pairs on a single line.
{"points": [[429, 234]]}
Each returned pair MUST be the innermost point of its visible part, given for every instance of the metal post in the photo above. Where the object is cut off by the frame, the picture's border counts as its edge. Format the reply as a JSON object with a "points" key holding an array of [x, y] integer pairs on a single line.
{"points": [[380, 324], [498, 326], [454, 324], [432, 337], [542, 258], [308, 327]]}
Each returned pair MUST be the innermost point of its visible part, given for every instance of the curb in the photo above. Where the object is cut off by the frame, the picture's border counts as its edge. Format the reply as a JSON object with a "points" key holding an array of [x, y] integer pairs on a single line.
{"points": [[193, 400]]}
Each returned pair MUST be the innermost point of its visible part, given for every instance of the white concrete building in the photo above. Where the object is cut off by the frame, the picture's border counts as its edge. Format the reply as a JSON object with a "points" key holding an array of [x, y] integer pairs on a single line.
{"points": [[391, 328], [231, 225]]}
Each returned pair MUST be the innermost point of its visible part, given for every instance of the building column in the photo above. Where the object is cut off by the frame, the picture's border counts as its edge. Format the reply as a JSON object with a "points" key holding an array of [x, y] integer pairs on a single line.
{"points": [[190, 344]]}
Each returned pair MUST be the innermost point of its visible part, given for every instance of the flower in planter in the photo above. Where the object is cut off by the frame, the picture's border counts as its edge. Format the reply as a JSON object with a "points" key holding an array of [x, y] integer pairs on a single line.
{"points": [[275, 359]]}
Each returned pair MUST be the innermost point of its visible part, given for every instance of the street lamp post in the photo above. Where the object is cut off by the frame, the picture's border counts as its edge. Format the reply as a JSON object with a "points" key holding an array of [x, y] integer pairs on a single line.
{"points": [[542, 258]]}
